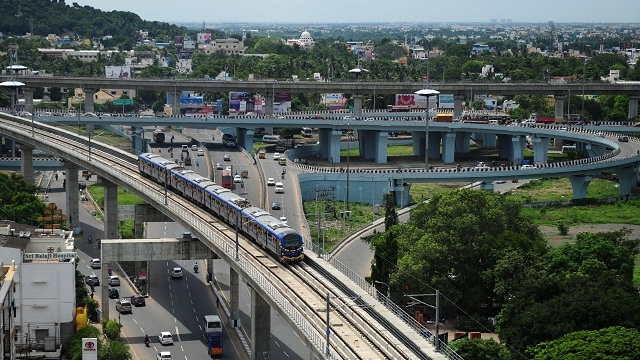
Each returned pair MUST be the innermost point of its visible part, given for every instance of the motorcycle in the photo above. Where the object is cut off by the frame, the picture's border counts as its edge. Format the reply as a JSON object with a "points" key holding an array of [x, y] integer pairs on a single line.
{"points": [[146, 341], [89, 239], [195, 268]]}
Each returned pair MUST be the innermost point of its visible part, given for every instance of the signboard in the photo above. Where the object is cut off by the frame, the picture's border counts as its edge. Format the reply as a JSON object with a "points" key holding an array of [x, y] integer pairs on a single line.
{"points": [[414, 101], [123, 102], [117, 72], [89, 348], [446, 101], [51, 255], [204, 38]]}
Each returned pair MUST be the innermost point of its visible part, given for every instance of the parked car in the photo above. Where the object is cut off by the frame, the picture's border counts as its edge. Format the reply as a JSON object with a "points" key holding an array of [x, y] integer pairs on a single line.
{"points": [[124, 306], [113, 293], [165, 338], [176, 272], [114, 280], [92, 280], [138, 300]]}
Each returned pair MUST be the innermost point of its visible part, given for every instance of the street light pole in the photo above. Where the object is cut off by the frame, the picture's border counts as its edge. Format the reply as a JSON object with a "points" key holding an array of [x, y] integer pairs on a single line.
{"points": [[436, 342], [426, 93], [388, 289], [584, 66], [237, 241], [166, 201]]}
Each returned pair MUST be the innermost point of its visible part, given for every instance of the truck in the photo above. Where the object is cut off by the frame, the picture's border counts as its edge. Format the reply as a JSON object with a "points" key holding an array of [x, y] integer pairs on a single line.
{"points": [[542, 119], [284, 144], [213, 332], [443, 118]]}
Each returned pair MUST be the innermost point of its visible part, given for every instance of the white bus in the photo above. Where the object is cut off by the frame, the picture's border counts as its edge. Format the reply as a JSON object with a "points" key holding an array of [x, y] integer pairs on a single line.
{"points": [[306, 132], [211, 324], [271, 139]]}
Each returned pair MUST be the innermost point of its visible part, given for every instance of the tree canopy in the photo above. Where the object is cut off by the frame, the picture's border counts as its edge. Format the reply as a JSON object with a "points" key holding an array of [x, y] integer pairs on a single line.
{"points": [[18, 201]]}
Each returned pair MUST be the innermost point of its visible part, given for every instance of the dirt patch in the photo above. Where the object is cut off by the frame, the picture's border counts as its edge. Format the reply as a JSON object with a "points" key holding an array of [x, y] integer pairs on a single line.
{"points": [[554, 238]]}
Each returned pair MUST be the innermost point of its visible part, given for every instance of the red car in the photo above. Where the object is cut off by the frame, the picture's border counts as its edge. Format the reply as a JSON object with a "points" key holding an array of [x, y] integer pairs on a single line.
{"points": [[138, 300]]}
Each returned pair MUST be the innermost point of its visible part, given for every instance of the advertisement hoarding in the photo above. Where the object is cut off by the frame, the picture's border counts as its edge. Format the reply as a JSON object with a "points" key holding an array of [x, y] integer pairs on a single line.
{"points": [[204, 38], [445, 101], [414, 101], [117, 72], [281, 97]]}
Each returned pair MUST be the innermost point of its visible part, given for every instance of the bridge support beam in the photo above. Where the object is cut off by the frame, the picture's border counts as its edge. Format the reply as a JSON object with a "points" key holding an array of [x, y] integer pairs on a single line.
{"points": [[627, 179], [28, 99], [245, 138], [594, 150], [504, 147], [489, 140], [400, 192], [457, 105], [88, 100], [26, 162], [448, 147], [463, 142], [487, 185], [268, 103], [373, 145], [71, 191], [260, 327], [110, 209], [357, 106], [137, 142], [234, 301], [435, 139], [580, 183], [518, 144], [175, 103], [540, 149], [8, 147], [633, 107], [333, 139], [559, 113]]}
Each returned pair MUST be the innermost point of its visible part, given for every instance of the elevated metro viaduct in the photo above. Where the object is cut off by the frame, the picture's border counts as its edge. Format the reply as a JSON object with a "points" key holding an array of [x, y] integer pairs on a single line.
{"points": [[269, 87]]}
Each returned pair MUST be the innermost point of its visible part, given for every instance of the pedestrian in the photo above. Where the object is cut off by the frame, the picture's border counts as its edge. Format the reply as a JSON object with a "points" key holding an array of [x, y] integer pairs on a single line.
{"points": [[217, 302], [56, 176]]}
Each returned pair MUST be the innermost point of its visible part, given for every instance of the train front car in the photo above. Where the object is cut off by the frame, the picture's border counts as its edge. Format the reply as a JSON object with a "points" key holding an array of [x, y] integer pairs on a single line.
{"points": [[272, 234], [156, 167]]}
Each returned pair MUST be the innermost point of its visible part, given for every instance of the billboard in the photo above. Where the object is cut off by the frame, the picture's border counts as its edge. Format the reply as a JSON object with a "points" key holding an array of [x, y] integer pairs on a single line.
{"points": [[414, 101], [189, 44], [281, 97], [445, 101], [240, 95], [117, 72], [178, 40], [204, 38]]}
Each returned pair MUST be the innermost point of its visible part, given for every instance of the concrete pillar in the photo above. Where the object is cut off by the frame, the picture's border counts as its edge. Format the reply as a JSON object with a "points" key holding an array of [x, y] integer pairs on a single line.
{"points": [[110, 209], [381, 147], [26, 163], [504, 147], [627, 179], [260, 327], [71, 191], [457, 105], [463, 142], [518, 144], [633, 107], [489, 140], [579, 183], [487, 185], [234, 302], [209, 274], [175, 103], [245, 138], [104, 297], [28, 99], [448, 147], [88, 100], [357, 106], [559, 113], [9, 146], [540, 149], [594, 150], [268, 103], [331, 151], [434, 144]]}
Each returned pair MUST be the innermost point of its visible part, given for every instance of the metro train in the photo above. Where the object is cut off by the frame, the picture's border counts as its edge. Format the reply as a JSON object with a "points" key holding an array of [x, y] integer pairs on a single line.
{"points": [[266, 230]]}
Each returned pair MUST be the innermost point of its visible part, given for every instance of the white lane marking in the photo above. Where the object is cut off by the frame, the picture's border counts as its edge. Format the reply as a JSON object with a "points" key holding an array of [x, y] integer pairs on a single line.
{"points": [[284, 352], [178, 334], [135, 321], [276, 343]]}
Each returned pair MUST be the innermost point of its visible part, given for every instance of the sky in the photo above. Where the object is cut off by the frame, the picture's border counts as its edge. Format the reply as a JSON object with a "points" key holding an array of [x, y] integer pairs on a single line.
{"points": [[363, 11]]}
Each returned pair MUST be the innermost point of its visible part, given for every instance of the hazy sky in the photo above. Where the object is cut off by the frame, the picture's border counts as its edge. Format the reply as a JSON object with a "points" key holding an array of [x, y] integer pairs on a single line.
{"points": [[358, 11]]}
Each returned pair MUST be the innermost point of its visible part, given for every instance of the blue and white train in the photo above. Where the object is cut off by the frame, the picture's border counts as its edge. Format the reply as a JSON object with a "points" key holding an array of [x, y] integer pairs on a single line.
{"points": [[265, 229]]}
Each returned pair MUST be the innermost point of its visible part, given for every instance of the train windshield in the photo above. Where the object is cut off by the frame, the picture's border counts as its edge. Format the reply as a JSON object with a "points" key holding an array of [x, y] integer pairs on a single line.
{"points": [[292, 240]]}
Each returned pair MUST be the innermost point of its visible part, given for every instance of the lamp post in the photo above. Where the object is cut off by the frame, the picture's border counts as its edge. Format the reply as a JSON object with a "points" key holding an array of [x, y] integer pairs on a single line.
{"points": [[584, 66], [388, 289], [426, 93], [166, 172], [437, 308]]}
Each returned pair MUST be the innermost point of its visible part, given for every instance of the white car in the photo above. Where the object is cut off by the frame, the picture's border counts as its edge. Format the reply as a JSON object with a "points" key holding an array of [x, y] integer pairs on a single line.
{"points": [[283, 220], [271, 182], [276, 156], [114, 280], [279, 188], [200, 152], [164, 355], [165, 338], [600, 134], [527, 167], [237, 179], [194, 147], [176, 272]]}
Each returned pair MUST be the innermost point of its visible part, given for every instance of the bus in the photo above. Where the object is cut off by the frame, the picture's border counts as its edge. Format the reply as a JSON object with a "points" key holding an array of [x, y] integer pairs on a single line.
{"points": [[158, 137], [306, 132], [270, 139], [226, 179]]}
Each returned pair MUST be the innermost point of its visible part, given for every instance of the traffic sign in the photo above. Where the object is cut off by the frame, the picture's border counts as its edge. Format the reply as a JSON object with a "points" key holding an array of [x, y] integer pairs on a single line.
{"points": [[123, 102]]}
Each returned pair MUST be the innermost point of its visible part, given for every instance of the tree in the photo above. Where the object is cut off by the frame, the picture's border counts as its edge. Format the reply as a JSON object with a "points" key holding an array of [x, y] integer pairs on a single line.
{"points": [[115, 350], [18, 201], [453, 242], [111, 329], [390, 51], [384, 244], [610, 343], [480, 349]]}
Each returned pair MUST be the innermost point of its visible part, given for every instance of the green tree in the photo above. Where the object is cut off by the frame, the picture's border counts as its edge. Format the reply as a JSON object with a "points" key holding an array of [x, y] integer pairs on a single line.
{"points": [[390, 51], [384, 244], [18, 201], [610, 343], [115, 350], [480, 349], [111, 329]]}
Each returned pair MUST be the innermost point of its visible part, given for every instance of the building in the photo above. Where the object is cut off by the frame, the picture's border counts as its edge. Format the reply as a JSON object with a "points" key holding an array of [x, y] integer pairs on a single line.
{"points": [[304, 42], [228, 45], [41, 293]]}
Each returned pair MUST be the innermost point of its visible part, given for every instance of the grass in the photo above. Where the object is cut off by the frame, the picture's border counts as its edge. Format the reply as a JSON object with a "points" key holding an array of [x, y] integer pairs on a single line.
{"points": [[103, 136], [125, 197], [559, 189]]}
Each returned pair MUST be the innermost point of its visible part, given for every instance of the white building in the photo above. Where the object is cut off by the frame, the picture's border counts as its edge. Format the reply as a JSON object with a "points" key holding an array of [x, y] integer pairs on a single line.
{"points": [[228, 45], [44, 285], [305, 41]]}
